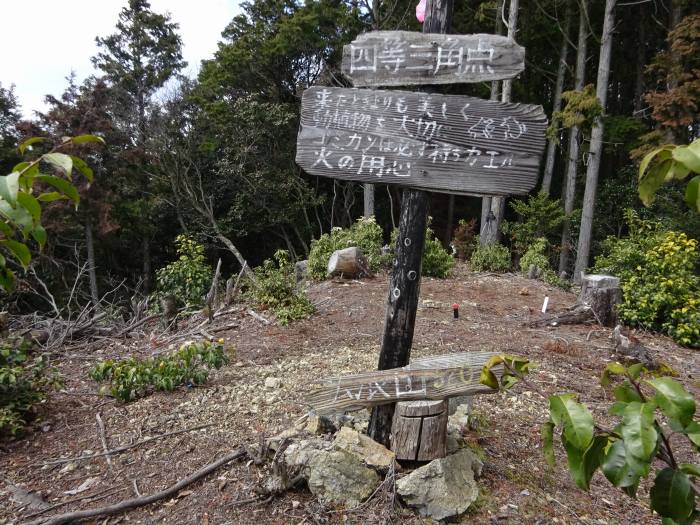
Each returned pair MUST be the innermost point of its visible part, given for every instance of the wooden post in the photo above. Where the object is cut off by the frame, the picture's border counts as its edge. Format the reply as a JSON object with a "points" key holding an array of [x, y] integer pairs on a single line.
{"points": [[419, 431], [404, 287]]}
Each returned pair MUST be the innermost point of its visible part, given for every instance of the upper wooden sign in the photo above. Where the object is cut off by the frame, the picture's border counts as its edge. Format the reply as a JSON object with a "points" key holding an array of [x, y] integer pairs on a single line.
{"points": [[447, 143], [402, 58]]}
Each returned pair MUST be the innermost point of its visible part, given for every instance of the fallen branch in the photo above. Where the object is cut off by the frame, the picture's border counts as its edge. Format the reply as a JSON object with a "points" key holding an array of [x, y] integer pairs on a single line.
{"points": [[103, 439], [137, 324], [577, 314], [129, 504], [94, 497], [60, 461], [258, 316]]}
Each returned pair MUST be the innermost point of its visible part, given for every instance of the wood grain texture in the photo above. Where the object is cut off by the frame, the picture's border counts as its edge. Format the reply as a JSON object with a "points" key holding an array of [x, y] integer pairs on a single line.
{"points": [[433, 437], [420, 408], [434, 378], [403, 58], [445, 143], [405, 437]]}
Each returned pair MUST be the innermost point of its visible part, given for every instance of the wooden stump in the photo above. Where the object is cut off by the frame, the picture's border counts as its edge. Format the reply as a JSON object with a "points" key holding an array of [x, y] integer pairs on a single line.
{"points": [[349, 261], [419, 430], [602, 293]]}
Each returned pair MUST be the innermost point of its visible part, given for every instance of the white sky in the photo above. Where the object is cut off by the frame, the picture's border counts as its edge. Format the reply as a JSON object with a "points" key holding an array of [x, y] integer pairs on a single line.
{"points": [[41, 41]]}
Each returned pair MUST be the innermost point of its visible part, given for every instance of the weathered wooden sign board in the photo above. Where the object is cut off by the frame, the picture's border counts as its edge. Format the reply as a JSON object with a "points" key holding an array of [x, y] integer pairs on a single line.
{"points": [[402, 58], [447, 143], [431, 378]]}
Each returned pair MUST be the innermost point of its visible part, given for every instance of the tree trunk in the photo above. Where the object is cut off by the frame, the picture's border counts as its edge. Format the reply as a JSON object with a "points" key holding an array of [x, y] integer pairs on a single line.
{"points": [[498, 203], [556, 105], [349, 262], [368, 200], [596, 149], [574, 134], [641, 62], [419, 430], [92, 270], [450, 220], [146, 253]]}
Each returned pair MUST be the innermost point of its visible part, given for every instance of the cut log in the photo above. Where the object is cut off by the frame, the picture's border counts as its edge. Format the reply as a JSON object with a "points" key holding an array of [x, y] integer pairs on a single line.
{"points": [[602, 293], [577, 314], [419, 430], [349, 262]]}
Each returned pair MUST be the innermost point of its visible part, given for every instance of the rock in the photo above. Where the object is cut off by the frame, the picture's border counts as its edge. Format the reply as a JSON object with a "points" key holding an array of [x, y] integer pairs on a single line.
{"points": [[301, 453], [454, 403], [459, 418], [273, 383], [340, 477], [363, 447], [300, 271], [444, 487], [319, 425], [454, 443], [358, 420]]}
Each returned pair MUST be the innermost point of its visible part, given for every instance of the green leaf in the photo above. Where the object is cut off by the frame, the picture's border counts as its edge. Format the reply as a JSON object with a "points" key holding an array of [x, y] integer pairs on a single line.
{"points": [[61, 161], [649, 156], [39, 234], [692, 193], [611, 368], [672, 495], [693, 433], [575, 418], [635, 370], [19, 250], [23, 146], [29, 203], [592, 459], [617, 408], [7, 276], [638, 430], [686, 156], [83, 139], [626, 393], [673, 399], [18, 216], [653, 180], [82, 166], [61, 185], [621, 469], [547, 442], [9, 186], [50, 196], [688, 468]]}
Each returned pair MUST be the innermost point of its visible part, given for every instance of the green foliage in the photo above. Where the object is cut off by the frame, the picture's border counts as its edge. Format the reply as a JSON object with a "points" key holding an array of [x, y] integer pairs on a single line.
{"points": [[133, 378], [464, 239], [491, 257], [536, 255], [538, 216], [669, 163], [275, 288], [366, 234], [24, 383], [188, 278], [626, 453], [582, 108], [21, 200], [436, 262], [660, 285], [515, 368]]}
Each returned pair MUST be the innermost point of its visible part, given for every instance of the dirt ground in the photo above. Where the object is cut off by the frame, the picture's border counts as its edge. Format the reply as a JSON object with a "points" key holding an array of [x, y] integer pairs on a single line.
{"points": [[342, 337]]}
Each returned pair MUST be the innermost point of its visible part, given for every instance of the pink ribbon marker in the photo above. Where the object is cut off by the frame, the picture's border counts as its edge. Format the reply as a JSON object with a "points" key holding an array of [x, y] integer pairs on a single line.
{"points": [[420, 11]]}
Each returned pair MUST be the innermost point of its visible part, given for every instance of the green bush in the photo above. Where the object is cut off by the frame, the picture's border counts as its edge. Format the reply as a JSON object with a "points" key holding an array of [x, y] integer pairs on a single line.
{"points": [[536, 255], [134, 378], [366, 234], [24, 383], [492, 257], [660, 285], [539, 216], [464, 239], [189, 277], [275, 288], [436, 262]]}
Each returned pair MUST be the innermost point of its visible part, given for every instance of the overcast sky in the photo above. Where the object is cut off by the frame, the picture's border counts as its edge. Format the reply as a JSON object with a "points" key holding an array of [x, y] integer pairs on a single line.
{"points": [[43, 40]]}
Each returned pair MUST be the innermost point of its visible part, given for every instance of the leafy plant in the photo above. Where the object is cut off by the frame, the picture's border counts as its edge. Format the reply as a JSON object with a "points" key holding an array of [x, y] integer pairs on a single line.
{"points": [[437, 262], [189, 276], [539, 216], [649, 411], [134, 378], [492, 257], [535, 255], [21, 199], [668, 163], [275, 288], [582, 108], [366, 234], [464, 239], [24, 383]]}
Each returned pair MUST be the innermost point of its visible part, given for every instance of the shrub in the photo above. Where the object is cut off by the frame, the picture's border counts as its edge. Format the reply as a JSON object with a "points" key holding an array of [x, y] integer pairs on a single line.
{"points": [[539, 216], [24, 383], [492, 257], [275, 288], [366, 234], [464, 239], [660, 287], [535, 255], [188, 278], [134, 378], [436, 261]]}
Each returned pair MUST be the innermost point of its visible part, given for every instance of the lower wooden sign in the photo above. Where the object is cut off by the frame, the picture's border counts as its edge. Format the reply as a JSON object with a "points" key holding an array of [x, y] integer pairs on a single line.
{"points": [[446, 143], [433, 378]]}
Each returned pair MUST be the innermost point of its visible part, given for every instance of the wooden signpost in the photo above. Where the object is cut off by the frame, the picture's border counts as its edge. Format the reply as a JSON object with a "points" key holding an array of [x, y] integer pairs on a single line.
{"points": [[448, 143], [422, 141], [403, 58]]}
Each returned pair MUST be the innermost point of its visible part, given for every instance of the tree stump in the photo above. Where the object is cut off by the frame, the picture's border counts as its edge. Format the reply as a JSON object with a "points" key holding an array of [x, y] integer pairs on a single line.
{"points": [[602, 293], [349, 261], [419, 430]]}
